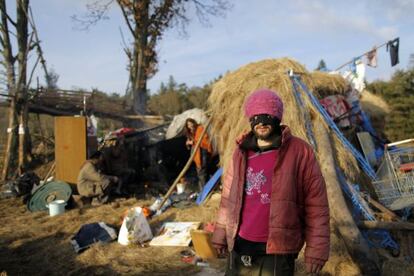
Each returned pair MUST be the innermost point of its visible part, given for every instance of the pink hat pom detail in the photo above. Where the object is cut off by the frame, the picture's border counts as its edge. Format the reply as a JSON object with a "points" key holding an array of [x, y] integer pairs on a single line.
{"points": [[264, 101]]}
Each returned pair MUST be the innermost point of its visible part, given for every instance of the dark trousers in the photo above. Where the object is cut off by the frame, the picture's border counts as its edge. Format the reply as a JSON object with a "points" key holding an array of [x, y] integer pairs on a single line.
{"points": [[261, 265], [203, 172]]}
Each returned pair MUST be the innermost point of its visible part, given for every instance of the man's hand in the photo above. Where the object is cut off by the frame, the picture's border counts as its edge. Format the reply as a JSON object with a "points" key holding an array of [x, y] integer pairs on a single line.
{"points": [[313, 268]]}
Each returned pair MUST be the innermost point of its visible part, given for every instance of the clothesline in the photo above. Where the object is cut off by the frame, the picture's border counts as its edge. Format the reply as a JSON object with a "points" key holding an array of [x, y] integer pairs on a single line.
{"points": [[360, 56]]}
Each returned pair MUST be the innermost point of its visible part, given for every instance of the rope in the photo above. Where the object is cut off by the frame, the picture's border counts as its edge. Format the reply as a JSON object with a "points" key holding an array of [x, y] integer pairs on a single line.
{"points": [[305, 114], [364, 54]]}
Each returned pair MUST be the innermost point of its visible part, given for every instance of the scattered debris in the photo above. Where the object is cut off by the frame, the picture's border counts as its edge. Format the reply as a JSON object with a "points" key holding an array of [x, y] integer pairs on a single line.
{"points": [[51, 191], [135, 228], [395, 186], [22, 186], [92, 233], [56, 207], [209, 186], [202, 244], [175, 234]]}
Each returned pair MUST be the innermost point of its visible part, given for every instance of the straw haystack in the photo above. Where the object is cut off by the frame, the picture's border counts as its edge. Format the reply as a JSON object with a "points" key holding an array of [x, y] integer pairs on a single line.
{"points": [[228, 122], [325, 84], [227, 99], [376, 108]]}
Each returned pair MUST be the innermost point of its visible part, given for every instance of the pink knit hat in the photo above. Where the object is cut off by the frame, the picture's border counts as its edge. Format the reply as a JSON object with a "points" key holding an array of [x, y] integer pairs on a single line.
{"points": [[263, 101]]}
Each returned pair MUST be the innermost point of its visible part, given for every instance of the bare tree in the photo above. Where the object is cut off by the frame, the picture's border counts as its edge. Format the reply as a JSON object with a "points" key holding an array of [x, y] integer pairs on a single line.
{"points": [[147, 21], [16, 82]]}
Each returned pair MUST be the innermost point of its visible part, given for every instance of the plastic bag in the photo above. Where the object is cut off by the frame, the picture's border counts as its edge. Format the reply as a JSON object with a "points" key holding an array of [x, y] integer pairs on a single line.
{"points": [[135, 228]]}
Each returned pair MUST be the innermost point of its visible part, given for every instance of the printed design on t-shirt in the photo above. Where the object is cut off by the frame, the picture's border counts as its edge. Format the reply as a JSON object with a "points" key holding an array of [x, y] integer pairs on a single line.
{"points": [[264, 198], [255, 181]]}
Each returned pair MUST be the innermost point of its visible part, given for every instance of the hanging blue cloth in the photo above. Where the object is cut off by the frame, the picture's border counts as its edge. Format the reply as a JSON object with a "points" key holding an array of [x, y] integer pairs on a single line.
{"points": [[353, 65]]}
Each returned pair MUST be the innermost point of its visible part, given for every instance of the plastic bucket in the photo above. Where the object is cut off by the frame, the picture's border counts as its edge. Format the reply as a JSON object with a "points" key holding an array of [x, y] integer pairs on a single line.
{"points": [[56, 207]]}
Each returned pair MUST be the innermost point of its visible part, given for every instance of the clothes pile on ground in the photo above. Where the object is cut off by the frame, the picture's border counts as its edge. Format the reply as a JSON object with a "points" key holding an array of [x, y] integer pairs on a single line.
{"points": [[22, 186]]}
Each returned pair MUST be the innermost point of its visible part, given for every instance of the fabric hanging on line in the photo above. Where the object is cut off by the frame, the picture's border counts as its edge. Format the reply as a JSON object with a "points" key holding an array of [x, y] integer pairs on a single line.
{"points": [[372, 57], [357, 75], [353, 66], [393, 46]]}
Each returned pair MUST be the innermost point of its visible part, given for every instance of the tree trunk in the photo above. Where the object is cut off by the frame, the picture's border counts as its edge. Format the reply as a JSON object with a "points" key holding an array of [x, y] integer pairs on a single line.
{"points": [[139, 63], [10, 151], [356, 244], [17, 89], [22, 40]]}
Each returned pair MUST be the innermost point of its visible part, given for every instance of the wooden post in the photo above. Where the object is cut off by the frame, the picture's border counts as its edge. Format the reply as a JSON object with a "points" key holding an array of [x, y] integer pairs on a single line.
{"points": [[356, 244], [388, 225], [383, 209]]}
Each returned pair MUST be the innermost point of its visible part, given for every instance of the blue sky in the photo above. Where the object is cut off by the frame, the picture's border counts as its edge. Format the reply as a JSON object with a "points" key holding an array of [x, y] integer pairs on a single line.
{"points": [[305, 30]]}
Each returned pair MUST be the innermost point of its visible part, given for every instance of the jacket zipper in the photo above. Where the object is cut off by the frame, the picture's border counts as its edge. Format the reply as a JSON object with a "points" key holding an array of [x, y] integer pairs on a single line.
{"points": [[240, 197]]}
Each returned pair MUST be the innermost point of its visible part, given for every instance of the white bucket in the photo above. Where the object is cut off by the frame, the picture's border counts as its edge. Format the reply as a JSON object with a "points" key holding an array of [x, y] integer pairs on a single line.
{"points": [[180, 188], [56, 207]]}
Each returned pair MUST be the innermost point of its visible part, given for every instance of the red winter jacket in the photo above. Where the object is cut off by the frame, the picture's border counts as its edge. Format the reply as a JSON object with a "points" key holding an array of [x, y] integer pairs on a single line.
{"points": [[299, 210]]}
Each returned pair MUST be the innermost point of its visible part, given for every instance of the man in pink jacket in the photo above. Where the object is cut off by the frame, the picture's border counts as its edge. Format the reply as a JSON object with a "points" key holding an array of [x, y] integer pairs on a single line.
{"points": [[273, 199]]}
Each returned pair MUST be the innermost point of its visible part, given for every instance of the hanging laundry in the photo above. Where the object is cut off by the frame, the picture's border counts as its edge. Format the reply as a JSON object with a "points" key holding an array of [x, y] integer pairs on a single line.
{"points": [[357, 77], [353, 66], [372, 57], [393, 46]]}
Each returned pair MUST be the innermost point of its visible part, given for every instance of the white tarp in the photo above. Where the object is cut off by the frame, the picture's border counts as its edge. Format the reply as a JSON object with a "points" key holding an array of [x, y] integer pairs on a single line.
{"points": [[177, 125]]}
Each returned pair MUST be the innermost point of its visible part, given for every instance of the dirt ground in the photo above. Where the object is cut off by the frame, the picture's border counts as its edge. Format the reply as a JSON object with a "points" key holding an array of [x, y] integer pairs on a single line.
{"points": [[36, 244]]}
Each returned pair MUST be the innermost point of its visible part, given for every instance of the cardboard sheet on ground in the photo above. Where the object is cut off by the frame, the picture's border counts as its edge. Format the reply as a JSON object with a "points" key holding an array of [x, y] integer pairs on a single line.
{"points": [[175, 234]]}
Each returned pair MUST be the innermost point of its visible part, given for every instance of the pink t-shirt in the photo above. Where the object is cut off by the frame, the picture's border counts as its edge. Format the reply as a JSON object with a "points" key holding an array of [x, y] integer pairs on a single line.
{"points": [[254, 224]]}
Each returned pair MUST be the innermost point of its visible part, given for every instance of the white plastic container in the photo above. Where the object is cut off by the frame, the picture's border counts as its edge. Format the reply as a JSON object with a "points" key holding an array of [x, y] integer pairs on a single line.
{"points": [[56, 207], [180, 188]]}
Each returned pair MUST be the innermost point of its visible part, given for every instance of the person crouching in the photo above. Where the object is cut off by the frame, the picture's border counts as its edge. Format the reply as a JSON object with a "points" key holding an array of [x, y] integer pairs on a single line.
{"points": [[93, 184]]}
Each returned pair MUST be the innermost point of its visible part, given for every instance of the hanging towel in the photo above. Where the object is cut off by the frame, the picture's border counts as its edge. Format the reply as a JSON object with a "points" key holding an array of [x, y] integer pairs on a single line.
{"points": [[372, 57], [392, 46]]}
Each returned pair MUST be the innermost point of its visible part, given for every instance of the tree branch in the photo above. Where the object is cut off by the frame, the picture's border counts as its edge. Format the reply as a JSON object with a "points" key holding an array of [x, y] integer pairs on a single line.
{"points": [[96, 12], [216, 8], [125, 15], [2, 9], [7, 49], [33, 70], [37, 43], [126, 48]]}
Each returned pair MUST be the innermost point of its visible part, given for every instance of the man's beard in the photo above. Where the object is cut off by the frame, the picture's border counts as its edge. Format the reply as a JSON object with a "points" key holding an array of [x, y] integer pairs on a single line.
{"points": [[269, 136], [266, 137], [268, 120]]}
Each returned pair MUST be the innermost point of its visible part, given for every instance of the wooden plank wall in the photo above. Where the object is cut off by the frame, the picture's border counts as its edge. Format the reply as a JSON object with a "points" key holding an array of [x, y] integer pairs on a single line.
{"points": [[70, 147]]}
